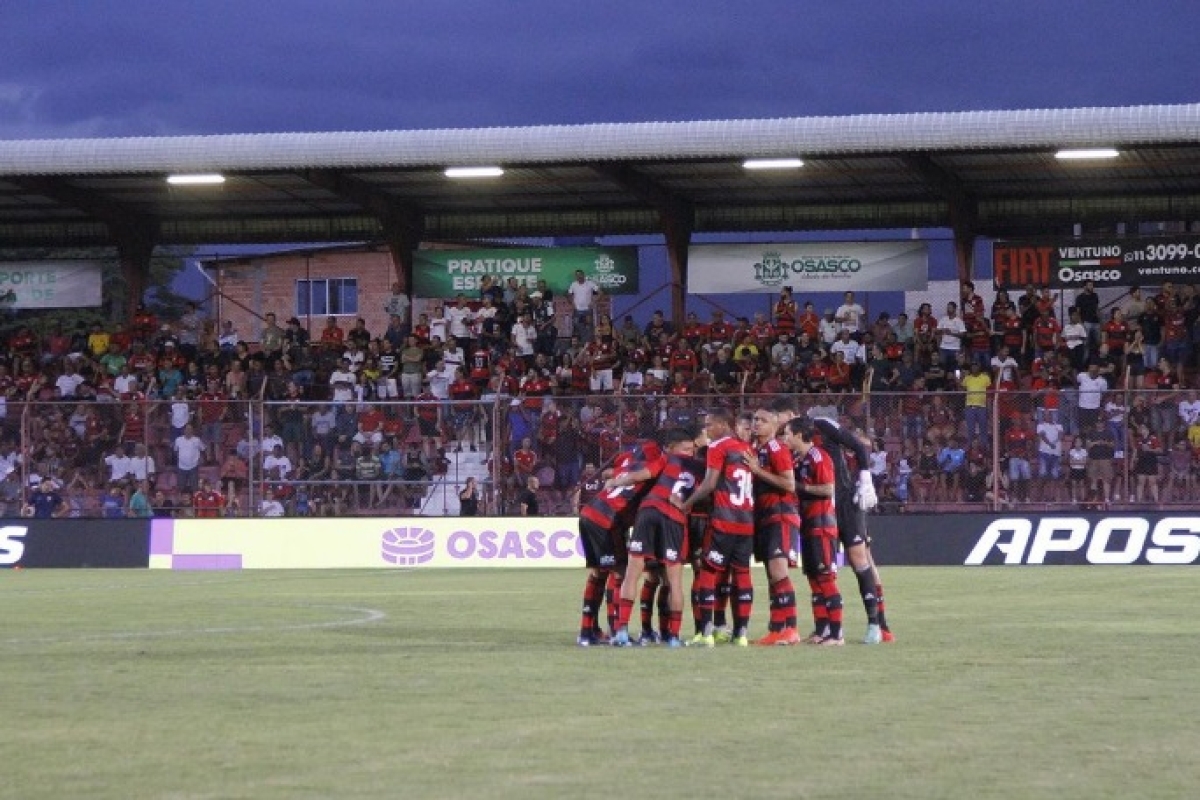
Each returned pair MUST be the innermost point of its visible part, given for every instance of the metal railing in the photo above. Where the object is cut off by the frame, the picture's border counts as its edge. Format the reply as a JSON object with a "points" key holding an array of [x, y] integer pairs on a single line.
{"points": [[941, 450]]}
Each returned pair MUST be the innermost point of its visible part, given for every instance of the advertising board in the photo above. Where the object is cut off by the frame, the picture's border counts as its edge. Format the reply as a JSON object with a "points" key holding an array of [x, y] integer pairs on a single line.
{"points": [[66, 543], [1070, 263], [416, 542]]}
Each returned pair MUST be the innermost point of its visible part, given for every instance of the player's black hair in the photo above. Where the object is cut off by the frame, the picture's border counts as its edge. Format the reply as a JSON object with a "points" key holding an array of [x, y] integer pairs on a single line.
{"points": [[802, 426], [782, 405], [676, 435], [722, 414]]}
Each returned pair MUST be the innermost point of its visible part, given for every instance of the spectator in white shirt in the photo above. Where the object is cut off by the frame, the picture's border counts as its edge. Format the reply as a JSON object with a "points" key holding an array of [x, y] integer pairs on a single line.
{"points": [[439, 381], [1189, 409], [70, 379], [459, 318], [141, 465], [454, 358], [829, 328], [582, 291], [270, 440], [1092, 386], [189, 449], [1004, 367], [438, 324], [118, 464], [950, 332], [852, 352], [269, 506], [343, 380], [277, 466], [849, 316], [524, 334]]}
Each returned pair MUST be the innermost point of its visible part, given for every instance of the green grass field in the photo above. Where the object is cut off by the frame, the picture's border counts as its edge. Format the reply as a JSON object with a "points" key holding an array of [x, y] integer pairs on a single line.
{"points": [[1007, 683]]}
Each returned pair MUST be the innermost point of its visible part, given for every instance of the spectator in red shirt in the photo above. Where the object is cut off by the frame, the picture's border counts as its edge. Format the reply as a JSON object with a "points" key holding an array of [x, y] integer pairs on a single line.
{"points": [[207, 502], [1019, 443], [786, 316]]}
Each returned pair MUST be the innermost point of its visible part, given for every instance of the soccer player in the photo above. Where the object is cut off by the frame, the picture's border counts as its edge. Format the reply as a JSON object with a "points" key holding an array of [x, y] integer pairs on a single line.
{"points": [[602, 525], [815, 485], [659, 534], [852, 501], [731, 484], [775, 515]]}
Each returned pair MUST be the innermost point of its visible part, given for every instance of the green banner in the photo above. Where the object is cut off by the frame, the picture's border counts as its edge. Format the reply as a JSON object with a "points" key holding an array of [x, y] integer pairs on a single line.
{"points": [[447, 273]]}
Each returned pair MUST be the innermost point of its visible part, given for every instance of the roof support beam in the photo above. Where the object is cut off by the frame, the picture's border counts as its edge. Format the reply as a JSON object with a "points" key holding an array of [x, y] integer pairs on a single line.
{"points": [[677, 219], [135, 246], [962, 208], [134, 233]]}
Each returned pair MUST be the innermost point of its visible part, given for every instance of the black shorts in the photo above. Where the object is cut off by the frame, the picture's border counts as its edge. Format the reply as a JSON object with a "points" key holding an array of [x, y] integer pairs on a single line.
{"points": [[657, 536], [818, 554], [728, 551], [602, 549], [776, 539], [697, 536], [429, 427], [851, 521]]}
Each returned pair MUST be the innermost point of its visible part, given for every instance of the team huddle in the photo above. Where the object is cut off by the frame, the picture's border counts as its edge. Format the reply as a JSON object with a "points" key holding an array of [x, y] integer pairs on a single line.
{"points": [[776, 487]]}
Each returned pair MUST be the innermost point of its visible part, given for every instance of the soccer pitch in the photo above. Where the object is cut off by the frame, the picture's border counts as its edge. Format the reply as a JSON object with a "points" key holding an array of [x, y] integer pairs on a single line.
{"points": [[1051, 682]]}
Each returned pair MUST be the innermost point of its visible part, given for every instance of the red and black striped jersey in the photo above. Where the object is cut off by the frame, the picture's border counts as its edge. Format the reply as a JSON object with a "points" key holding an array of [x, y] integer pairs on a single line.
{"points": [[733, 499], [680, 475], [817, 513], [772, 504], [481, 364], [613, 508]]}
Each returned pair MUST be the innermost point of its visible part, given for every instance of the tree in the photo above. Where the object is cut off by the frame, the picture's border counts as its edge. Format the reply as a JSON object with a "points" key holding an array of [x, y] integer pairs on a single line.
{"points": [[159, 298]]}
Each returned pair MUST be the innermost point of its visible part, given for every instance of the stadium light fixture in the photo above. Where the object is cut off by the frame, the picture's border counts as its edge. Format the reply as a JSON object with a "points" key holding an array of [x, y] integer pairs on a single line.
{"points": [[474, 172], [772, 163], [204, 179], [1086, 154]]}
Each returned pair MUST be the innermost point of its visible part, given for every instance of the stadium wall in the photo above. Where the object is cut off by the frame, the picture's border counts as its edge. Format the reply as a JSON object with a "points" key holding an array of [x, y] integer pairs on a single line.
{"points": [[427, 542]]}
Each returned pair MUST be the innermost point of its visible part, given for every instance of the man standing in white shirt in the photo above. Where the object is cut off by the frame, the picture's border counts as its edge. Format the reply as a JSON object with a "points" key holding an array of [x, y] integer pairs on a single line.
{"points": [[1004, 368], [1050, 436], [459, 318], [950, 331], [1092, 386], [118, 464], [829, 328], [582, 291], [1189, 410], [398, 305], [189, 449], [850, 316]]}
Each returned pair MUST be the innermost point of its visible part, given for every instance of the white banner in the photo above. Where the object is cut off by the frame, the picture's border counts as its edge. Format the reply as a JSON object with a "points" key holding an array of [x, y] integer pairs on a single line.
{"points": [[808, 267], [310, 543], [49, 284]]}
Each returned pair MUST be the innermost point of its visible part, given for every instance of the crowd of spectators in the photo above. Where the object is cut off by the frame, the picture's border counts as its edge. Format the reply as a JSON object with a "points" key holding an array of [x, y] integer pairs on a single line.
{"points": [[973, 404]]}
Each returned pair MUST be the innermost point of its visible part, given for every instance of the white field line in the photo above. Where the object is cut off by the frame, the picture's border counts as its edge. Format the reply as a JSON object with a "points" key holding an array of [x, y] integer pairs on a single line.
{"points": [[364, 616]]}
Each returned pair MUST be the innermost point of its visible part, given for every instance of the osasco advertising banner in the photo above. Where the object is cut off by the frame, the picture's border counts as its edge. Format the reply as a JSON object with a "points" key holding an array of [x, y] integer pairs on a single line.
{"points": [[425, 542], [448, 273], [808, 267]]}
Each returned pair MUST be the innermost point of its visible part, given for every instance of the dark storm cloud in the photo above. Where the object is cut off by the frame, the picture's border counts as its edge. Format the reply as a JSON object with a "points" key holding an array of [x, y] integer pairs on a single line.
{"points": [[149, 68]]}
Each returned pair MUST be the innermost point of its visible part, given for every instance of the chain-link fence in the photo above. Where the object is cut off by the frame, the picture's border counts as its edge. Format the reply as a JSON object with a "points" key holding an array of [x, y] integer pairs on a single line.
{"points": [[1054, 448]]}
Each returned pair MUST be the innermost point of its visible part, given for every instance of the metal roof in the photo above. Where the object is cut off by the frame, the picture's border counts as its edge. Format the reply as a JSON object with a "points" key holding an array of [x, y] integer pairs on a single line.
{"points": [[992, 171]]}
